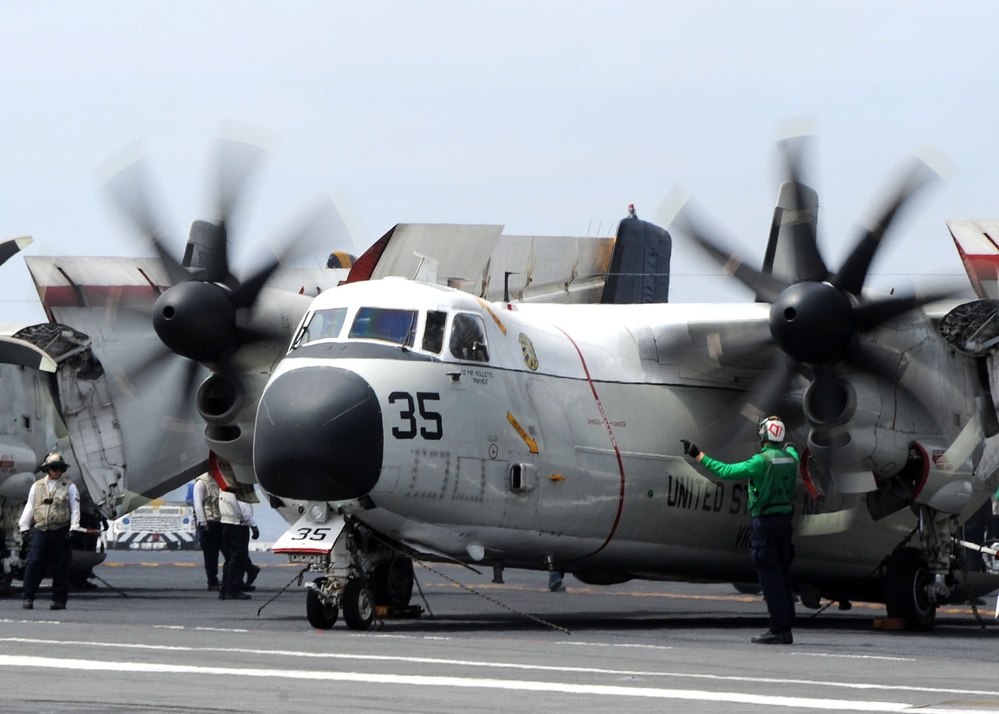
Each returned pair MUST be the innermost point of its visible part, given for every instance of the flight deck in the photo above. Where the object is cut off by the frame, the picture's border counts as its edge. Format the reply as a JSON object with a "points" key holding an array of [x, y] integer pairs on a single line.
{"points": [[152, 638]]}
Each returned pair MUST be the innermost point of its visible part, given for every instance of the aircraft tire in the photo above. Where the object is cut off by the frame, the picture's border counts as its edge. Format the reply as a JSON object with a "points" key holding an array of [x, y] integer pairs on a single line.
{"points": [[320, 615], [905, 598], [358, 605], [391, 582]]}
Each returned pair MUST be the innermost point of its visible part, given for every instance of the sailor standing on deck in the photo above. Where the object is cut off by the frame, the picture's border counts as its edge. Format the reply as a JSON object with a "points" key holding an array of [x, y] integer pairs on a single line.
{"points": [[52, 511], [237, 523], [772, 476]]}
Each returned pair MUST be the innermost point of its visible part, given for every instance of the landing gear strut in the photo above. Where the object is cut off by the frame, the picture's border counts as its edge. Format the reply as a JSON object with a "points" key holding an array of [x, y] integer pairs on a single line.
{"points": [[918, 580], [362, 575]]}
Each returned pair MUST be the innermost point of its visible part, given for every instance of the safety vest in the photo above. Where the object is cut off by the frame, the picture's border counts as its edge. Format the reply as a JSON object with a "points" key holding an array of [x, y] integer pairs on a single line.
{"points": [[52, 509], [775, 491], [229, 507], [210, 504]]}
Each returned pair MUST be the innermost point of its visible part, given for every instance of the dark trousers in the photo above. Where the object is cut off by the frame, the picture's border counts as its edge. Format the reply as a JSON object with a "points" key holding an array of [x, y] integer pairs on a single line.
{"points": [[773, 553], [235, 550], [49, 550], [211, 543]]}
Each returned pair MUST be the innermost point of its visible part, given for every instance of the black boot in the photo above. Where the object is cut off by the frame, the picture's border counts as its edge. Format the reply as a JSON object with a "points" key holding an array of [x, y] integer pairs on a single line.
{"points": [[774, 638]]}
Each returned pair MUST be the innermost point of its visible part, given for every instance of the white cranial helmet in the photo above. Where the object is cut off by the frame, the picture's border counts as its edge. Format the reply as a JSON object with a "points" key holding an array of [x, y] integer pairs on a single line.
{"points": [[772, 429]]}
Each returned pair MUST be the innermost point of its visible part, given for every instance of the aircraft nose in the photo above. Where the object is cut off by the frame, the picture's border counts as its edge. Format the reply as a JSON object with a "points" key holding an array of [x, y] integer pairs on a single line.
{"points": [[318, 435]]}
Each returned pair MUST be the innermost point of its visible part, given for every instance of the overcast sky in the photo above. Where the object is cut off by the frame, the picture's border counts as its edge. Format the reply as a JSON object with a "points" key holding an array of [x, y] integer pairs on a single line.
{"points": [[548, 117]]}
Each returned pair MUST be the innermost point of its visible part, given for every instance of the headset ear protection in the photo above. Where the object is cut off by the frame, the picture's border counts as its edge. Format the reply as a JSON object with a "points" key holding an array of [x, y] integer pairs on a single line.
{"points": [[772, 429]]}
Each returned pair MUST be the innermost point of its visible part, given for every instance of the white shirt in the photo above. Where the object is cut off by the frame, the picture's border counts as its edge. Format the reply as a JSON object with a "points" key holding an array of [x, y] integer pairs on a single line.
{"points": [[28, 514]]}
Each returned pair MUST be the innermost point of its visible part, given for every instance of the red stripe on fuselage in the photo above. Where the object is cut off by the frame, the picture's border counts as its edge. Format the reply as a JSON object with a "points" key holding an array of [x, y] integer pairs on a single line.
{"points": [[613, 441]]}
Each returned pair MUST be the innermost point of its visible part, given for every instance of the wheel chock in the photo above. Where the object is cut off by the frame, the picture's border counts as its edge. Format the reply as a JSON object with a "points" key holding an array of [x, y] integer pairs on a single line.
{"points": [[387, 612], [889, 623]]}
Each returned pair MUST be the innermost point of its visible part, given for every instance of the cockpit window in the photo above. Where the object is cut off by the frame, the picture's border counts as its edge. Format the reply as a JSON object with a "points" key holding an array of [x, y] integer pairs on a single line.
{"points": [[323, 325], [468, 338], [433, 332], [376, 323]]}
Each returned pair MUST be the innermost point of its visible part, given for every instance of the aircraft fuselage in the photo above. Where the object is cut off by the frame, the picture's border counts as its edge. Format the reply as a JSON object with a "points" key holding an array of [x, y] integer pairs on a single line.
{"points": [[534, 433]]}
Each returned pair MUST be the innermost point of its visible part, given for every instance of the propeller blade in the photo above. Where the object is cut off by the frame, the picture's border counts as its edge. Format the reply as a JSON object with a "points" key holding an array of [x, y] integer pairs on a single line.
{"points": [[802, 205], [128, 190], [249, 335], [871, 314], [176, 411], [890, 367], [321, 224], [875, 361], [246, 294], [765, 286], [853, 273], [769, 389], [767, 396], [237, 161], [10, 248], [153, 359]]}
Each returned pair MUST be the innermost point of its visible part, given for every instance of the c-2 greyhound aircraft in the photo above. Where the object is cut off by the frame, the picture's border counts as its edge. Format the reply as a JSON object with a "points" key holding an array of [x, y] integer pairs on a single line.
{"points": [[419, 421]]}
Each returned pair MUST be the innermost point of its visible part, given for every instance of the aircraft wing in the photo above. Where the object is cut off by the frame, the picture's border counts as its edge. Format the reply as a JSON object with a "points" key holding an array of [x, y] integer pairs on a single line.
{"points": [[482, 260], [977, 245]]}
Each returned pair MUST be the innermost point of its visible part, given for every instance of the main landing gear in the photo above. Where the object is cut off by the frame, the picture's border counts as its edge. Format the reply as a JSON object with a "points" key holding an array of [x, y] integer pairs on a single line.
{"points": [[364, 579], [918, 580]]}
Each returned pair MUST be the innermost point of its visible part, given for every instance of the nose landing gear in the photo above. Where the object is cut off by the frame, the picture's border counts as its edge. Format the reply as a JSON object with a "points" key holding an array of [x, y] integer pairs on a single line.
{"points": [[364, 580]]}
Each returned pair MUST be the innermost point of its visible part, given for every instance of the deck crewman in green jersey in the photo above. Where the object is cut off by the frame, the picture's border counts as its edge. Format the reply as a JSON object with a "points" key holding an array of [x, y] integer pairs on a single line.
{"points": [[772, 476]]}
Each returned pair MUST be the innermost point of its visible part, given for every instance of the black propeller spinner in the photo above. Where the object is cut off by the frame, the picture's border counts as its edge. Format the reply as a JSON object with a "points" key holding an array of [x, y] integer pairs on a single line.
{"points": [[818, 319]]}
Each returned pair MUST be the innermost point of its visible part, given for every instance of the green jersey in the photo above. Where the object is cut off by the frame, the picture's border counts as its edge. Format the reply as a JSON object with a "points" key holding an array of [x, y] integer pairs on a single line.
{"points": [[772, 476]]}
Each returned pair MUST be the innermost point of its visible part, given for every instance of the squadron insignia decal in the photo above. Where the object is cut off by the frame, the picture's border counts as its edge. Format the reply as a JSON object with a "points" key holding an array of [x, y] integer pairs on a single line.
{"points": [[530, 356]]}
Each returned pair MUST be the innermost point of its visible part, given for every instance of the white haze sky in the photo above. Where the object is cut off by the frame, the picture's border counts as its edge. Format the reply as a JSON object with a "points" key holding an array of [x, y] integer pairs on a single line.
{"points": [[548, 117]]}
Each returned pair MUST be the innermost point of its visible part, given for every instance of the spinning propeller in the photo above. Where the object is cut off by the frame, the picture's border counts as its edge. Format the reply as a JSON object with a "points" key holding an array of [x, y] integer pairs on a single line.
{"points": [[206, 313], [819, 318]]}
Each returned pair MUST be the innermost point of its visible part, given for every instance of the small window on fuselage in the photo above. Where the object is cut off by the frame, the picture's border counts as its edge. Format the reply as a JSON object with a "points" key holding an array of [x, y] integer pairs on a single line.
{"points": [[322, 325], [468, 338], [379, 323], [433, 331]]}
